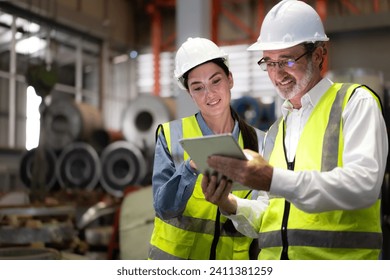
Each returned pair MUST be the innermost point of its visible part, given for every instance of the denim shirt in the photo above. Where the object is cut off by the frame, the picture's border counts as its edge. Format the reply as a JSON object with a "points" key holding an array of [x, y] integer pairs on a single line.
{"points": [[173, 187]]}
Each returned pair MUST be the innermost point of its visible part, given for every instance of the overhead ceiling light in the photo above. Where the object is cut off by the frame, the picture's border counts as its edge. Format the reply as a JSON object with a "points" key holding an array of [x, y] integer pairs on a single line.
{"points": [[30, 45], [6, 19]]}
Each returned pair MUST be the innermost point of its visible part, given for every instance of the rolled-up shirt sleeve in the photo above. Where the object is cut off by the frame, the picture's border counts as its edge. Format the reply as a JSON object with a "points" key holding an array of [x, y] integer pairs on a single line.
{"points": [[248, 217], [172, 186]]}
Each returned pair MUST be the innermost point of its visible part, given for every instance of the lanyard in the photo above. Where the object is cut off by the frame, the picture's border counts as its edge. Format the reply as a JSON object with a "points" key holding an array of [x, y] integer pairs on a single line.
{"points": [[290, 165], [286, 212]]}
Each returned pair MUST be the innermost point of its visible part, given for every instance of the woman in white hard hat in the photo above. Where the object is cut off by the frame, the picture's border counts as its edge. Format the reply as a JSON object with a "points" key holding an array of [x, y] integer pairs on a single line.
{"points": [[186, 225], [324, 159]]}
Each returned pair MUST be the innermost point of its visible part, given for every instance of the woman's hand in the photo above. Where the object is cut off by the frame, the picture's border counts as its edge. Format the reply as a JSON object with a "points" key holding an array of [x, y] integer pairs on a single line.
{"points": [[193, 165], [218, 192]]}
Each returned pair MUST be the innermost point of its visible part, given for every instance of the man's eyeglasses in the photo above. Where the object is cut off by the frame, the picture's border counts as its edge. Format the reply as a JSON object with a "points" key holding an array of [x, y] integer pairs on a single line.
{"points": [[289, 63]]}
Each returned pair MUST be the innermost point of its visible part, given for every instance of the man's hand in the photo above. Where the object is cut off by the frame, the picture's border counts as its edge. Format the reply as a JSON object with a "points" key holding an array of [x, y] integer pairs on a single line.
{"points": [[255, 172]]}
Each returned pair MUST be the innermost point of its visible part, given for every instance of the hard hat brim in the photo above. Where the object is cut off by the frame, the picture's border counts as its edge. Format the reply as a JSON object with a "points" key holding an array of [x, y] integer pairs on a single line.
{"points": [[258, 46]]}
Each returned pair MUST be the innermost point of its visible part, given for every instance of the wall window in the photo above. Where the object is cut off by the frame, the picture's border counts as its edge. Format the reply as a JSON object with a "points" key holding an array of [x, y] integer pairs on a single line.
{"points": [[32, 118]]}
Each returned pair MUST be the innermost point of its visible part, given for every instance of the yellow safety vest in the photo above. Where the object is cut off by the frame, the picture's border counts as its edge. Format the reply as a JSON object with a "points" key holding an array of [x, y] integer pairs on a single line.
{"points": [[341, 234], [191, 235]]}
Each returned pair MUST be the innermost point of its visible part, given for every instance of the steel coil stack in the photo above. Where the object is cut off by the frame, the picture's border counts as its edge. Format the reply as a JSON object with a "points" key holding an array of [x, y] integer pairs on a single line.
{"points": [[86, 160], [82, 154]]}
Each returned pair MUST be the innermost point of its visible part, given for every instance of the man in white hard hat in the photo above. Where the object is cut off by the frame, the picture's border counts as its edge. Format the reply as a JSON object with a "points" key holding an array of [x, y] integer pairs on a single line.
{"points": [[320, 177], [186, 225]]}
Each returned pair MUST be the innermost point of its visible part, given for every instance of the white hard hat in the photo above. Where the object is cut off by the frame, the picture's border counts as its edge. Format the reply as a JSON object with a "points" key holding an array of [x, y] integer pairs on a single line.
{"points": [[194, 52], [287, 24]]}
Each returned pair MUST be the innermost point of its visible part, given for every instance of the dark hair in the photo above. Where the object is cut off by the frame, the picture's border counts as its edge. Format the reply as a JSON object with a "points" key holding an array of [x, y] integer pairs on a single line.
{"points": [[249, 135], [219, 61]]}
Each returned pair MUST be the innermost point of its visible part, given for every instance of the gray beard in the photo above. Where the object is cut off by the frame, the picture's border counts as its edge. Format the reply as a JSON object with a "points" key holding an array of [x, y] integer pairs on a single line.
{"points": [[297, 88]]}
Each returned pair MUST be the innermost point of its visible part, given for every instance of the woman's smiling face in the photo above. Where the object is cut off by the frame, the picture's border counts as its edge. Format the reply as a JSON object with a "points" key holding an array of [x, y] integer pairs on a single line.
{"points": [[210, 87]]}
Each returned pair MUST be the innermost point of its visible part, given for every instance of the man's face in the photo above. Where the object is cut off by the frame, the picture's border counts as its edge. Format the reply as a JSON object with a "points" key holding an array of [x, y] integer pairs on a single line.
{"points": [[291, 71]]}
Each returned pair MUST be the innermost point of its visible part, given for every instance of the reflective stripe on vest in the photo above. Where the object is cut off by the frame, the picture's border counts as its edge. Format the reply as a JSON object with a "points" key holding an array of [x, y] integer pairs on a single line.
{"points": [[322, 238], [190, 236], [349, 234]]}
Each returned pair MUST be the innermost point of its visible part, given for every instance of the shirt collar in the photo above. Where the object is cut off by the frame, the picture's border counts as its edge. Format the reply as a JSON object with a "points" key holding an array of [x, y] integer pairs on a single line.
{"points": [[207, 131], [311, 97]]}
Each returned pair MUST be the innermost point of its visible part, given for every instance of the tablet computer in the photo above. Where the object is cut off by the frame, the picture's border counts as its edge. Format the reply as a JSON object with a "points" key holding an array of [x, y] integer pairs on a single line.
{"points": [[200, 148]]}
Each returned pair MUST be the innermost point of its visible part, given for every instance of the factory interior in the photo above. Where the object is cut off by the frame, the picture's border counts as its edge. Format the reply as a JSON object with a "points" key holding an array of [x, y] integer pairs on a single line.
{"points": [[84, 85]]}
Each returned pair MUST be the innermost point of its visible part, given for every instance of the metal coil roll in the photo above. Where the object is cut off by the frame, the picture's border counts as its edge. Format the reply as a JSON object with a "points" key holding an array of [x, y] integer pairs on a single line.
{"points": [[255, 112], [27, 163], [248, 108], [78, 166], [66, 121], [123, 165], [141, 118]]}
